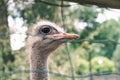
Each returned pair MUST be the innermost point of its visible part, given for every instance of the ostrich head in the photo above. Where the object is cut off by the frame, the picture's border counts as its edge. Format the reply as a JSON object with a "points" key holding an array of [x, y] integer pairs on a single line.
{"points": [[47, 36], [44, 38]]}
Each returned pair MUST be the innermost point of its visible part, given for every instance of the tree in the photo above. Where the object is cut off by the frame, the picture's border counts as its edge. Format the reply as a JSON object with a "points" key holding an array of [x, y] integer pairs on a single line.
{"points": [[102, 64], [116, 57], [105, 32], [96, 31], [36, 11], [5, 48]]}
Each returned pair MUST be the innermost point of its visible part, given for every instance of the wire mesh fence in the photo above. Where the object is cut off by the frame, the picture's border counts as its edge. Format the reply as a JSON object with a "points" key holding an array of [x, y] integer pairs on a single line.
{"points": [[99, 76]]}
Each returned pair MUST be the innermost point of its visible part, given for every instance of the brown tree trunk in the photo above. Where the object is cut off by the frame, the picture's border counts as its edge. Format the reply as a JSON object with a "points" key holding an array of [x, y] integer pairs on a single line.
{"points": [[5, 37]]}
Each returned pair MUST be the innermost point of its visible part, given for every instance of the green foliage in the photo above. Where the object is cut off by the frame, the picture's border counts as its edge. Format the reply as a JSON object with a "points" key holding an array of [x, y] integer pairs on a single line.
{"points": [[109, 30], [36, 11], [88, 15], [5, 48], [1, 61], [96, 31], [116, 59], [85, 13], [102, 64], [81, 66]]}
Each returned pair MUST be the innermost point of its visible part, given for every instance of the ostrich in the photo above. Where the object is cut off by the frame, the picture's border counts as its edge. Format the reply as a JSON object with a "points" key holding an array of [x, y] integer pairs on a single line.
{"points": [[45, 37]]}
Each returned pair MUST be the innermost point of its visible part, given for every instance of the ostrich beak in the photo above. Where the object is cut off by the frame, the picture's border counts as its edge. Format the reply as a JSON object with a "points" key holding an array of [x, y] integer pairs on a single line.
{"points": [[67, 36]]}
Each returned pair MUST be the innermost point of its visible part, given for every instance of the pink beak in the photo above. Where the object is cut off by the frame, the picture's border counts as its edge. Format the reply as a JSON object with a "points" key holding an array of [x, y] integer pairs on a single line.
{"points": [[64, 36]]}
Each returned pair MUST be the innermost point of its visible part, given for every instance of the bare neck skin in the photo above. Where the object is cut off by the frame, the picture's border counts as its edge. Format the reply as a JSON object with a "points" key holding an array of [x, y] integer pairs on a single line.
{"points": [[38, 66], [39, 52]]}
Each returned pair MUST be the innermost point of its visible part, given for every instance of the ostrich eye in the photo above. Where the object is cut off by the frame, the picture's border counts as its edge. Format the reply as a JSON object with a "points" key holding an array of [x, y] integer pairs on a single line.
{"points": [[45, 29]]}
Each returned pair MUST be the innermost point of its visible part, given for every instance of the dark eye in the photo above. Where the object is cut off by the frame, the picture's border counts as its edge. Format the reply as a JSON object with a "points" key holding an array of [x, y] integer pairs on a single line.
{"points": [[46, 30]]}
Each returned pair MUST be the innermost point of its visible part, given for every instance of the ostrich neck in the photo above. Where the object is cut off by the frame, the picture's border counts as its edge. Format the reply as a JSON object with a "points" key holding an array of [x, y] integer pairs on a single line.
{"points": [[38, 65]]}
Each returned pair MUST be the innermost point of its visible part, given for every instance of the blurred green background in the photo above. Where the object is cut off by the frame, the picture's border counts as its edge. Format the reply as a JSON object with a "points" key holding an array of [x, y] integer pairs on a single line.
{"points": [[98, 52]]}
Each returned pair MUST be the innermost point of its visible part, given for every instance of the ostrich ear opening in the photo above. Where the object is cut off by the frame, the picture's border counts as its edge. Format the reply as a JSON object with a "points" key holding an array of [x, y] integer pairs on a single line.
{"points": [[29, 31]]}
